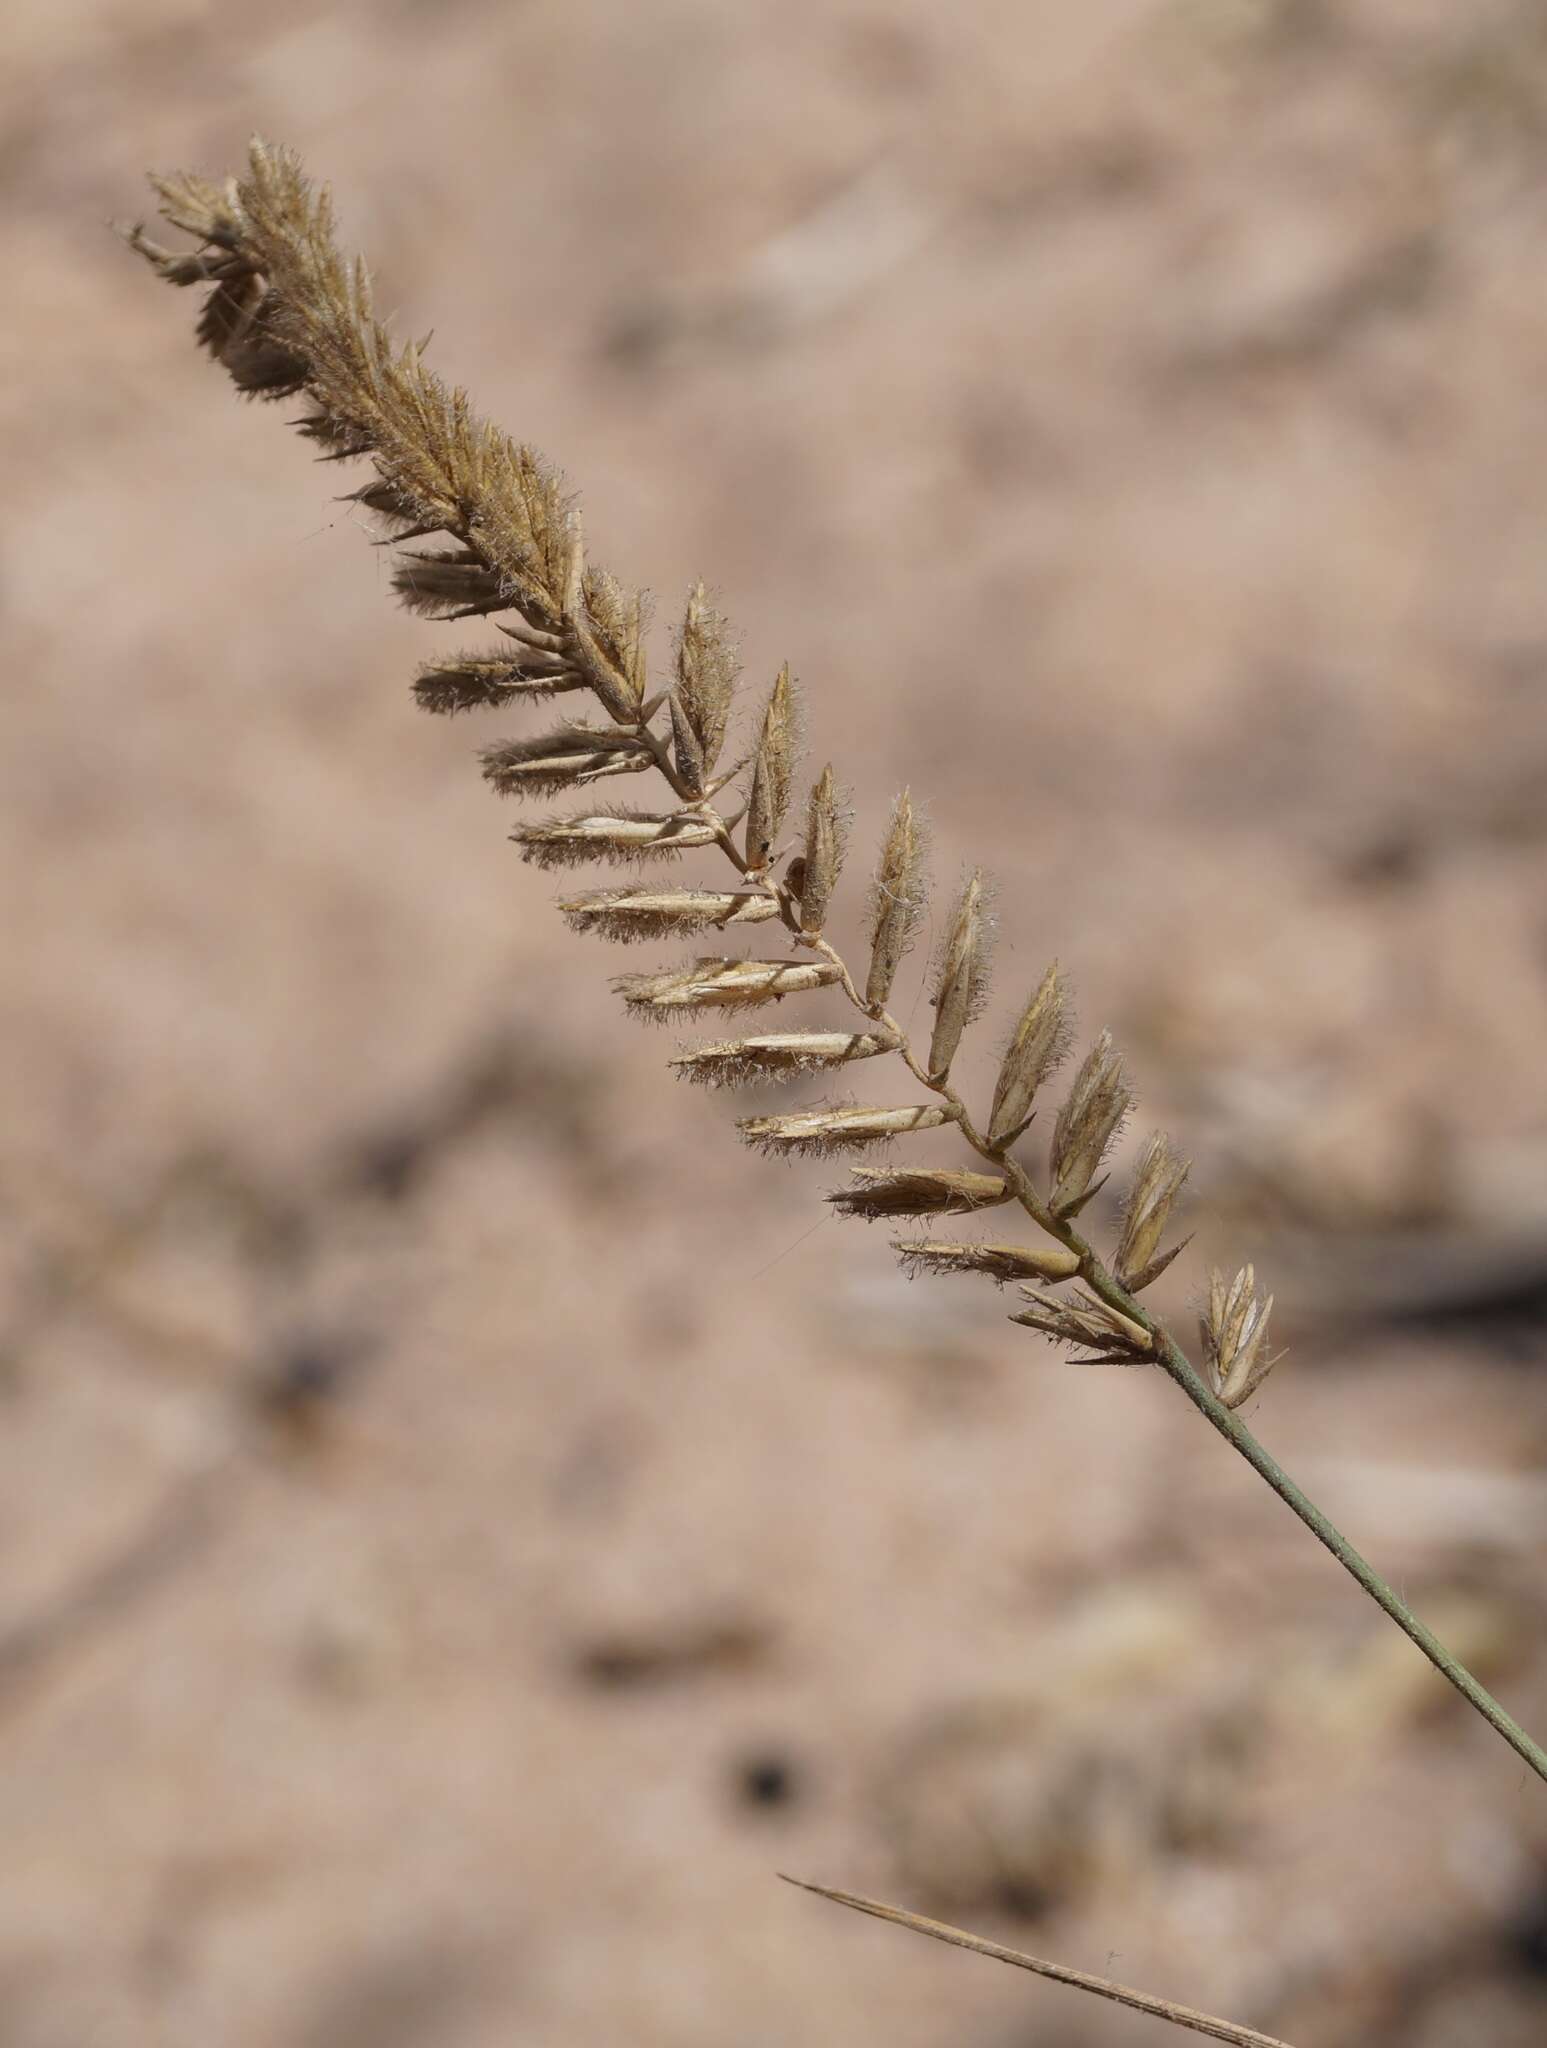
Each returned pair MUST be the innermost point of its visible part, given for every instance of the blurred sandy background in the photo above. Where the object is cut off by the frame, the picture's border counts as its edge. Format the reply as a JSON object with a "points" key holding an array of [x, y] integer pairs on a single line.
{"points": [[462, 1528]]}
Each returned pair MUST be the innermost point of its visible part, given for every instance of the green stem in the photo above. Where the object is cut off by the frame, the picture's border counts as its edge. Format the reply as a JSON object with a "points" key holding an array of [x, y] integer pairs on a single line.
{"points": [[1239, 1437]]}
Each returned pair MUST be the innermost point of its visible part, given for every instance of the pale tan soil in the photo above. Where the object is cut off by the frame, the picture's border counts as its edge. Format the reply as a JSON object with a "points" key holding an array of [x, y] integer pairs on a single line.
{"points": [[442, 1474]]}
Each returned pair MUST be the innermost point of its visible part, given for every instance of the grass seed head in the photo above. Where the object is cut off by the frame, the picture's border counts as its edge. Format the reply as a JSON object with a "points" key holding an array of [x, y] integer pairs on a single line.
{"points": [[1084, 1319], [839, 1129], [1234, 1329], [628, 915], [715, 984], [1156, 1185], [773, 769], [775, 1055], [961, 974], [879, 1191], [617, 837], [1089, 1120], [562, 759], [826, 839], [1039, 1043], [707, 671], [898, 896], [1001, 1262]]}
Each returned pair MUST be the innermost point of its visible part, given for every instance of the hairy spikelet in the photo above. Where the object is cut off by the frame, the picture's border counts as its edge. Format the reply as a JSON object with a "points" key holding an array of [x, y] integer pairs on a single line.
{"points": [[562, 759], [633, 914], [898, 896], [773, 769], [715, 984], [1084, 1319], [475, 682], [1234, 1329], [1156, 1185], [961, 974], [707, 670], [450, 583], [877, 1191], [1001, 1262], [774, 1056], [616, 837], [826, 839], [1039, 1042], [825, 1130], [1087, 1123]]}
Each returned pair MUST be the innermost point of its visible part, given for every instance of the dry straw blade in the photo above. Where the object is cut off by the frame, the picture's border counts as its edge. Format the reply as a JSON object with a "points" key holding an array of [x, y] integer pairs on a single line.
{"points": [[1186, 2016]]}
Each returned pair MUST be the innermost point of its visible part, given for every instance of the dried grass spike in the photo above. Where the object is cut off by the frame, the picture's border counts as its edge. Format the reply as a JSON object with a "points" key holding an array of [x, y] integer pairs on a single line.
{"points": [[448, 583], [1156, 1185], [825, 1130], [774, 1056], [875, 1192], [561, 759], [707, 670], [714, 984], [897, 899], [773, 769], [1234, 1329], [1040, 1041], [631, 914], [686, 750], [961, 977], [1087, 1123], [1001, 1262], [621, 836], [596, 632], [826, 836], [1086, 1320], [476, 682]]}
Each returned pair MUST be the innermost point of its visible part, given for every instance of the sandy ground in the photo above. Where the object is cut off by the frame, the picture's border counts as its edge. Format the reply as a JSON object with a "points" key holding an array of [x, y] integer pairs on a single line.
{"points": [[464, 1524]]}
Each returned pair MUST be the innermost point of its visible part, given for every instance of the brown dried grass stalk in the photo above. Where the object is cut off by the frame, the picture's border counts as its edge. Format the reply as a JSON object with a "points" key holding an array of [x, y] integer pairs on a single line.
{"points": [[289, 318]]}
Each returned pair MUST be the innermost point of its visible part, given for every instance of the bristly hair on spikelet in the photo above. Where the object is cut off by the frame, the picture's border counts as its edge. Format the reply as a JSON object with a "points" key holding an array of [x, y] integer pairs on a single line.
{"points": [[290, 319]]}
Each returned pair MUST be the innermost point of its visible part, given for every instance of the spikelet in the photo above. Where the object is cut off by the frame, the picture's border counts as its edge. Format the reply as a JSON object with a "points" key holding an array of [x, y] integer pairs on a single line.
{"points": [[617, 837], [687, 752], [840, 1129], [897, 899], [826, 837], [448, 583], [961, 975], [632, 914], [773, 769], [1001, 1262], [1040, 1040], [716, 984], [561, 759], [706, 683], [1156, 1186], [472, 682], [1111, 1337], [774, 1056], [603, 635], [1087, 1123], [1234, 1328], [879, 1191]]}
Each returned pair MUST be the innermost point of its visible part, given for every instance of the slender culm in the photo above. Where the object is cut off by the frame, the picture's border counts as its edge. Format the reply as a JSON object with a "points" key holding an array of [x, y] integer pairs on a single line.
{"points": [[290, 319]]}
